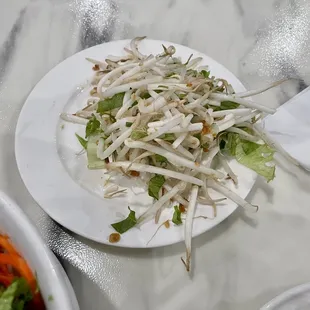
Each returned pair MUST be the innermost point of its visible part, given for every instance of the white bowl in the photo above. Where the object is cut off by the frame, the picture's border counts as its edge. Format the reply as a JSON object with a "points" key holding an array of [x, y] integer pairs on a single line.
{"points": [[52, 279]]}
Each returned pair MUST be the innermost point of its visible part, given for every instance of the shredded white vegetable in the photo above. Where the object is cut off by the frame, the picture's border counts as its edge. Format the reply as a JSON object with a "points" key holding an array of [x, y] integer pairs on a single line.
{"points": [[161, 117]]}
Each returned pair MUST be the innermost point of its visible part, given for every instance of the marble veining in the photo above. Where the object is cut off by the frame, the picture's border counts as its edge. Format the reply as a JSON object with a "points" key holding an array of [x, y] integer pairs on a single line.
{"points": [[245, 261]]}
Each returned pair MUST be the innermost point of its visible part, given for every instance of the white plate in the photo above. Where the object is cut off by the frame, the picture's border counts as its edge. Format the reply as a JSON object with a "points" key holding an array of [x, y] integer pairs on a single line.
{"points": [[297, 298], [59, 180], [51, 276]]}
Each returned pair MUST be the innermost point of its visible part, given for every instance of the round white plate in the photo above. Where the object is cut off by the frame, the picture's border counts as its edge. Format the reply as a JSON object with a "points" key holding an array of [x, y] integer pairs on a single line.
{"points": [[52, 279], [297, 298], [58, 179]]}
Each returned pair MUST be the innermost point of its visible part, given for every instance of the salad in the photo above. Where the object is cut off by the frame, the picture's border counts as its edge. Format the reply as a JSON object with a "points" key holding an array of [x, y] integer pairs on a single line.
{"points": [[18, 286], [175, 126]]}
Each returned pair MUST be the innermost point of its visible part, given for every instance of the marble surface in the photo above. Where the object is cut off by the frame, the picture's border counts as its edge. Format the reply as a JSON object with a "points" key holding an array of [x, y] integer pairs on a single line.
{"points": [[246, 260]]}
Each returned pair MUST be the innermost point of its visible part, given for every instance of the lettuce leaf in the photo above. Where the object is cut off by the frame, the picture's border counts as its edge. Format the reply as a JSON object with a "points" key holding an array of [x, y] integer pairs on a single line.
{"points": [[16, 295], [254, 156]]}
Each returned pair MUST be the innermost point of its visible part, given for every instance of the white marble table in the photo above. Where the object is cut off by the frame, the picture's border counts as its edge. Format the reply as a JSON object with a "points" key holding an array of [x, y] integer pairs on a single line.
{"points": [[243, 262]]}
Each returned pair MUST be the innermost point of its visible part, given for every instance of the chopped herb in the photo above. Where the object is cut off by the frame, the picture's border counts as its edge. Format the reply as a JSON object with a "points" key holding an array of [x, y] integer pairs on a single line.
{"points": [[155, 185], [134, 104], [110, 103], [170, 137], [205, 73], [50, 298], [127, 223], [139, 133], [176, 218], [82, 141], [160, 159], [128, 124], [92, 127]]}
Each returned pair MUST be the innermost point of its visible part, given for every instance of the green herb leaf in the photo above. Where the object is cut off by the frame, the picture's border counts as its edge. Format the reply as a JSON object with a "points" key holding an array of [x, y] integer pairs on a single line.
{"points": [[92, 127], [226, 105], [176, 218], [170, 137], [205, 73], [160, 159], [110, 103], [138, 133], [254, 156], [128, 124], [155, 185], [127, 223], [82, 141], [50, 298]]}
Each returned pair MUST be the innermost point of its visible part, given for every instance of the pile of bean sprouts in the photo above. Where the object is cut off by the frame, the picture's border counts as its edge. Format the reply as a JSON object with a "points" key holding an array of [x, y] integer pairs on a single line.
{"points": [[170, 109]]}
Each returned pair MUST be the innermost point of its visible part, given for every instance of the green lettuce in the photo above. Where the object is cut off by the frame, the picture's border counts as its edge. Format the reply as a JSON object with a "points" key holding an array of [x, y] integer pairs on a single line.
{"points": [[254, 156], [16, 296], [93, 161]]}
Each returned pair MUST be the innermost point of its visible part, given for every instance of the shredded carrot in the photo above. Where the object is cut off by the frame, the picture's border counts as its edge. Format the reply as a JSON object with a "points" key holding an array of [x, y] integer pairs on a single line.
{"points": [[12, 264], [6, 279], [7, 246]]}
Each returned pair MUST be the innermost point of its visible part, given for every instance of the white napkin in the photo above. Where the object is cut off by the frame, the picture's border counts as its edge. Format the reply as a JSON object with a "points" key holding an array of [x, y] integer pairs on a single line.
{"points": [[290, 126]]}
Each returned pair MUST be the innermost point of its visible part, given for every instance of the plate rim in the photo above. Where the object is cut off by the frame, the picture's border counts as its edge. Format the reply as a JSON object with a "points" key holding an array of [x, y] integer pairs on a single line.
{"points": [[294, 291], [72, 228]]}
